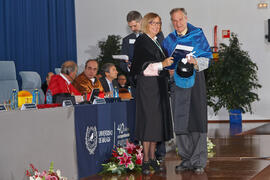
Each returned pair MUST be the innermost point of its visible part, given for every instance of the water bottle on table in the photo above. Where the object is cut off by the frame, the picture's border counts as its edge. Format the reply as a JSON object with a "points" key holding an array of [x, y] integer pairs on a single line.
{"points": [[115, 92], [14, 99], [49, 97], [35, 99]]}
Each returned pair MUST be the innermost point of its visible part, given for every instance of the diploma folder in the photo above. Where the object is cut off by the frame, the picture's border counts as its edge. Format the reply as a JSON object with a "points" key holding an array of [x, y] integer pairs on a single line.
{"points": [[120, 57], [179, 52]]}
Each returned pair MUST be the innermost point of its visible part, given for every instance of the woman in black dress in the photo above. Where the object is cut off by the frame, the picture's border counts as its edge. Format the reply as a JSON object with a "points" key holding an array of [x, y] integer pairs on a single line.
{"points": [[153, 118]]}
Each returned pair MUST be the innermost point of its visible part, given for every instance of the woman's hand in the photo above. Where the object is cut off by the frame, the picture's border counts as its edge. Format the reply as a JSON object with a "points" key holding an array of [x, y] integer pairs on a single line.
{"points": [[167, 62]]}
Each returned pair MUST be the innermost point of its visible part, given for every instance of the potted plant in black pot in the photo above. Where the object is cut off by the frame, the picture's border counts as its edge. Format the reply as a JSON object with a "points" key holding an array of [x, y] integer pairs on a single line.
{"points": [[232, 80]]}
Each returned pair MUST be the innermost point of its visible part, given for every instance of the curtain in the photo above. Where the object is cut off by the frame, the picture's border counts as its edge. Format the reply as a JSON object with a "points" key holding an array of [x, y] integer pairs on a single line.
{"points": [[39, 35]]}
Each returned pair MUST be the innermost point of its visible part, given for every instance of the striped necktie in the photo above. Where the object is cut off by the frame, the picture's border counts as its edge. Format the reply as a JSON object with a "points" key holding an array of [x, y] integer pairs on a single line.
{"points": [[111, 86]]}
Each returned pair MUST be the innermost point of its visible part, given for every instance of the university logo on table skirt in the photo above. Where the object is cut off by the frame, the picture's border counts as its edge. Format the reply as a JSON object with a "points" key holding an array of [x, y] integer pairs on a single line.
{"points": [[98, 128], [91, 139]]}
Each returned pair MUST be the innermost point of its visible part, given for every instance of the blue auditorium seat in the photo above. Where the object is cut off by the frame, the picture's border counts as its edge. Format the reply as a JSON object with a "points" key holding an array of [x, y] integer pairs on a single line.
{"points": [[8, 80], [30, 81]]}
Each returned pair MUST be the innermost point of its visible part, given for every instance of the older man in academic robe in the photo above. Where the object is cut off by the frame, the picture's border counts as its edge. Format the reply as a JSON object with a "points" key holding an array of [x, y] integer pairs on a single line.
{"points": [[189, 106], [61, 84], [87, 80]]}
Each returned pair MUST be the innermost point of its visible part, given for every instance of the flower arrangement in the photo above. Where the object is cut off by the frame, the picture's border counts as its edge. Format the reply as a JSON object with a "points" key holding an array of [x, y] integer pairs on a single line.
{"points": [[130, 158], [210, 147], [124, 159], [34, 174]]}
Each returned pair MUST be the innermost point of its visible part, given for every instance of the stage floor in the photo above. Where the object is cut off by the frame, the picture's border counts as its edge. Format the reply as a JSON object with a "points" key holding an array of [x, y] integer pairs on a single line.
{"points": [[241, 153]]}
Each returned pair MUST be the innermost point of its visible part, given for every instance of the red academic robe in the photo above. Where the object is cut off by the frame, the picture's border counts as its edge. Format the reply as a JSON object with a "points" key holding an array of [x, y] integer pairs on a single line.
{"points": [[59, 85]]}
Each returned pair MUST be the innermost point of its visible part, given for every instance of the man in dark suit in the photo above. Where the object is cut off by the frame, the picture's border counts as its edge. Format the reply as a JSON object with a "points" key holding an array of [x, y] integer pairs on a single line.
{"points": [[122, 81], [44, 86], [134, 22], [108, 81]]}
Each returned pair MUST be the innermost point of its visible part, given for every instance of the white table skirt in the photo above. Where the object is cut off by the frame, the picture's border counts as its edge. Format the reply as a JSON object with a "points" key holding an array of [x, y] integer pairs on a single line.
{"points": [[37, 137]]}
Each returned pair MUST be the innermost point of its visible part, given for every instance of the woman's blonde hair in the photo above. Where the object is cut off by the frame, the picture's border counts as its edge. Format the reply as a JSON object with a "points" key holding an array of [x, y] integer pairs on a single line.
{"points": [[147, 19]]}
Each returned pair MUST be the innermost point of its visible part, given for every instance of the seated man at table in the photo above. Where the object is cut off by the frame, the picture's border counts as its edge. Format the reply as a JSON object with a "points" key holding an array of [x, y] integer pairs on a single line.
{"points": [[122, 81], [44, 86], [60, 85], [87, 80], [108, 80], [124, 89]]}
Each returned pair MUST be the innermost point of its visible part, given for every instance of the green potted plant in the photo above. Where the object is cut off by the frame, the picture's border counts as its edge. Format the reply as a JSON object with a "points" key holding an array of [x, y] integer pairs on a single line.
{"points": [[109, 47], [232, 80]]}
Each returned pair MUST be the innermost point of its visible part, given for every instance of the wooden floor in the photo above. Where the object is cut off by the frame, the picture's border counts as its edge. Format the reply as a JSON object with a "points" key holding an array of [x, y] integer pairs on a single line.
{"points": [[241, 153]]}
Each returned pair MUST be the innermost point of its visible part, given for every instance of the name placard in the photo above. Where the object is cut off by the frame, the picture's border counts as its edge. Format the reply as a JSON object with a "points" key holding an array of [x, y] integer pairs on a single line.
{"points": [[67, 103], [112, 100], [28, 106], [2, 108], [99, 101]]}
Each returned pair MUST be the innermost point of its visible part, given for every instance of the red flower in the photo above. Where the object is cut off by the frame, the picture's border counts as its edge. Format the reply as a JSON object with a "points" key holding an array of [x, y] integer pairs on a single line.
{"points": [[115, 154], [33, 168], [130, 147], [54, 176], [28, 173], [139, 158], [129, 151], [138, 161], [125, 159]]}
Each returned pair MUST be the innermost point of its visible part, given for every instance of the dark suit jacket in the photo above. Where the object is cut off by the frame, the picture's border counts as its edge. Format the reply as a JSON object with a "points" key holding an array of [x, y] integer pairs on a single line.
{"points": [[105, 85], [44, 87], [128, 49]]}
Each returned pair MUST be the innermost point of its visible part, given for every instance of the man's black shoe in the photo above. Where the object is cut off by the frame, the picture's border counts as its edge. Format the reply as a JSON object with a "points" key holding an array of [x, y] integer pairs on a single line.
{"points": [[146, 168], [198, 170], [181, 168], [160, 159], [155, 165]]}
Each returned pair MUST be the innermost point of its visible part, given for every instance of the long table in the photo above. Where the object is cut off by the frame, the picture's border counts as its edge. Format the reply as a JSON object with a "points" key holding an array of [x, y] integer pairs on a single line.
{"points": [[98, 129], [45, 135]]}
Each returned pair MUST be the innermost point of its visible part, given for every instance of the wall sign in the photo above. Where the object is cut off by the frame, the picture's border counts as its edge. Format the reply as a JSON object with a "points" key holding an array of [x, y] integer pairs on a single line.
{"points": [[226, 34]]}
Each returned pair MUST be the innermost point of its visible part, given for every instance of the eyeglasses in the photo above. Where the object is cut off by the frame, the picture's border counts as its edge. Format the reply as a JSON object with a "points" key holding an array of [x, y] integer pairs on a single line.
{"points": [[155, 23]]}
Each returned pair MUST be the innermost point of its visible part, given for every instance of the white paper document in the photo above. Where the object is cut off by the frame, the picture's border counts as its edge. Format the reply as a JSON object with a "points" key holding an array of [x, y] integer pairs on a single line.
{"points": [[120, 57]]}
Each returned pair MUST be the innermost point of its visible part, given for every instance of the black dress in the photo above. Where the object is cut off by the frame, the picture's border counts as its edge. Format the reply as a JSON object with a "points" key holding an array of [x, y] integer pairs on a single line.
{"points": [[153, 114]]}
